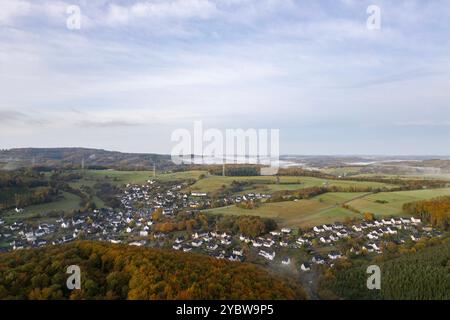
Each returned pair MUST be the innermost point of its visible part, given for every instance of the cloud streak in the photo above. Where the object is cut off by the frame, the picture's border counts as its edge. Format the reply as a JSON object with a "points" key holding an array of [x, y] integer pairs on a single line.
{"points": [[309, 67]]}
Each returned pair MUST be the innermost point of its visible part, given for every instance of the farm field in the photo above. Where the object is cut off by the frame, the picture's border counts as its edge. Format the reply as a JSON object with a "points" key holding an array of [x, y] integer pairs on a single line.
{"points": [[302, 213], [138, 177], [268, 184], [395, 200], [118, 177], [68, 202]]}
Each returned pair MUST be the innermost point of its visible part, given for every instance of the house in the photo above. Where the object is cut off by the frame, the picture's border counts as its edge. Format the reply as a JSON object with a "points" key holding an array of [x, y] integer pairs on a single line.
{"points": [[356, 228], [405, 220], [275, 233], [327, 227], [30, 237], [284, 244], [143, 234], [338, 226], [333, 238], [68, 238], [238, 252], [137, 243], [286, 230], [286, 261], [187, 249], [179, 240], [318, 229], [318, 260], [212, 247], [220, 256], [342, 233], [226, 241], [176, 246], [198, 194], [305, 266], [334, 255], [372, 236], [196, 243], [244, 239], [268, 244], [256, 244], [268, 256], [391, 230], [415, 221], [325, 240], [234, 258], [40, 233]]}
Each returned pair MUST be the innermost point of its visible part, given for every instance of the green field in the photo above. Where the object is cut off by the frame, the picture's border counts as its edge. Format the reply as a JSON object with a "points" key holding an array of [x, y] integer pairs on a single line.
{"points": [[395, 200], [67, 202], [303, 213], [268, 184], [327, 208], [137, 177], [118, 177]]}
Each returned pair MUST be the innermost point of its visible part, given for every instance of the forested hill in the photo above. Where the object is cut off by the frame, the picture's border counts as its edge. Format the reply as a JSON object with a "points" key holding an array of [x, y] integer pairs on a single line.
{"points": [[417, 275], [126, 272], [74, 157]]}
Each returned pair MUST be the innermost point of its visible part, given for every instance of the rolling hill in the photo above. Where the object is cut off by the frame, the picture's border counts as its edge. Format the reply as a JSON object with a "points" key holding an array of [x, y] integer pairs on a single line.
{"points": [[125, 272]]}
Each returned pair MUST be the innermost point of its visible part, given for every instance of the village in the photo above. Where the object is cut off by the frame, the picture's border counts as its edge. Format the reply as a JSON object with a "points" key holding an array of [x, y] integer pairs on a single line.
{"points": [[134, 224]]}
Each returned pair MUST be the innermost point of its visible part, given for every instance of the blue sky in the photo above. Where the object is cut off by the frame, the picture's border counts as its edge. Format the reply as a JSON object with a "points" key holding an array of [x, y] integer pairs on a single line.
{"points": [[137, 70]]}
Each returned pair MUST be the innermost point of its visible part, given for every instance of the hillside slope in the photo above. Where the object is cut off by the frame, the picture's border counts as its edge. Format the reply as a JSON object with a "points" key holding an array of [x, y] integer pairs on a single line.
{"points": [[73, 157], [421, 275], [125, 272]]}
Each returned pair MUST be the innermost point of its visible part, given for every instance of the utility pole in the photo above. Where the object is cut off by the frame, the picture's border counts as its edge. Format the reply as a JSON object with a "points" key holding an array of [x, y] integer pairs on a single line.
{"points": [[223, 169]]}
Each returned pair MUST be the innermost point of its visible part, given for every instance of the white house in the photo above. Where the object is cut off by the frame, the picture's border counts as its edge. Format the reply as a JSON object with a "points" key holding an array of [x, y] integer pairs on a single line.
{"points": [[318, 260], [197, 243], [325, 240], [268, 256], [415, 221], [334, 255], [318, 229], [212, 247], [286, 261], [305, 266], [143, 234], [237, 252]]}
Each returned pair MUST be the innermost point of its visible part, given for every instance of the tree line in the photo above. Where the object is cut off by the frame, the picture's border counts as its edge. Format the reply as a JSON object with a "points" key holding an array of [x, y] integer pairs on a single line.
{"points": [[434, 211]]}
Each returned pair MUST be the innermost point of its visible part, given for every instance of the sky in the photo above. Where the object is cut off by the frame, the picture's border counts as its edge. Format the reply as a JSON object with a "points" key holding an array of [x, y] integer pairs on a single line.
{"points": [[137, 70]]}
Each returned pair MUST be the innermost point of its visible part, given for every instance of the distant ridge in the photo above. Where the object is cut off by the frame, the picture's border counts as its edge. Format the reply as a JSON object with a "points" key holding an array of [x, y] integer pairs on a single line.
{"points": [[11, 159]]}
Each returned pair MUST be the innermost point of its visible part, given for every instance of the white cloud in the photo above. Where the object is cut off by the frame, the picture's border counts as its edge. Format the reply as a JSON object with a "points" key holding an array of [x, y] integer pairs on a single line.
{"points": [[11, 9], [160, 10]]}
